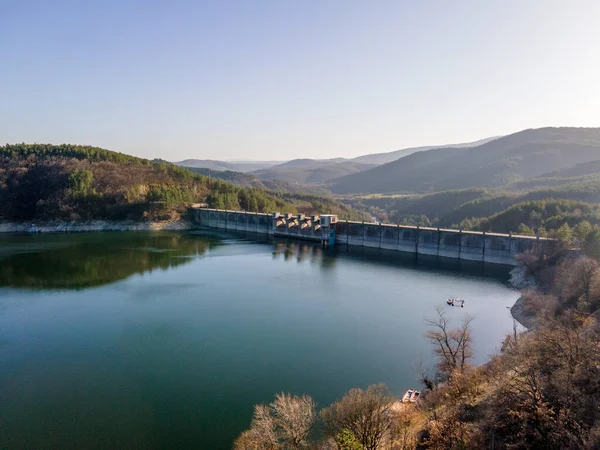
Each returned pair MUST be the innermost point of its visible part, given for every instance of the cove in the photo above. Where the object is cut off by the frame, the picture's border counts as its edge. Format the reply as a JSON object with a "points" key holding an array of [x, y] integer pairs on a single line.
{"points": [[167, 340]]}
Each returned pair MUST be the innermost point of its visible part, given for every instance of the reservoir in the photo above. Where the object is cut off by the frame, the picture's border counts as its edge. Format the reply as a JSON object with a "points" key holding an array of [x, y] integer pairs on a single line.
{"points": [[167, 340]]}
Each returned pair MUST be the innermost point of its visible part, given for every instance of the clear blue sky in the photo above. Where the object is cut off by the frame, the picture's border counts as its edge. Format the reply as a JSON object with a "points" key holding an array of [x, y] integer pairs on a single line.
{"points": [[280, 79]]}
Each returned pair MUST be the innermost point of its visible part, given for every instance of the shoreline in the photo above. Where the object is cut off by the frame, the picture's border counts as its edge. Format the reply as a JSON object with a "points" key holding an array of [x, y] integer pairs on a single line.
{"points": [[519, 315], [520, 280], [63, 226]]}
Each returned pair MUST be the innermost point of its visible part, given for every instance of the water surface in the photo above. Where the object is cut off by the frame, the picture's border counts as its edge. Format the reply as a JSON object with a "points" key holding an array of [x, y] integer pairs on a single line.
{"points": [[167, 340]]}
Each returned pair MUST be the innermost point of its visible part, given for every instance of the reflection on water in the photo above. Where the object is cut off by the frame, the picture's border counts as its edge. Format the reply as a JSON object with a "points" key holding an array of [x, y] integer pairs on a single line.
{"points": [[300, 252], [77, 261]]}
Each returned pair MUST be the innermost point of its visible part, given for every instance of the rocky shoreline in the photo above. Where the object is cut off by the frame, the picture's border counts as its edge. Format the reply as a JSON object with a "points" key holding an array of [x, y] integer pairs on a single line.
{"points": [[519, 279], [60, 226]]}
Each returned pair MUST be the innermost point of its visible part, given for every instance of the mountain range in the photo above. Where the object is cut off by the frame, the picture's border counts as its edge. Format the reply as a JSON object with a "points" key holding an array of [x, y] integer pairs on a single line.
{"points": [[311, 171], [503, 161], [383, 158], [236, 166], [305, 171], [523, 160], [528, 180]]}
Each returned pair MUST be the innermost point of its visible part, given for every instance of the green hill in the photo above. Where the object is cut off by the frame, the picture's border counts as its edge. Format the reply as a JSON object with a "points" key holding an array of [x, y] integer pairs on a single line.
{"points": [[72, 182], [509, 159], [471, 208]]}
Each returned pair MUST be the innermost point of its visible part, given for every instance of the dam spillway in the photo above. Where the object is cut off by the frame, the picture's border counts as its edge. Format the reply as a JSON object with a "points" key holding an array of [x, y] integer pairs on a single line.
{"points": [[329, 230]]}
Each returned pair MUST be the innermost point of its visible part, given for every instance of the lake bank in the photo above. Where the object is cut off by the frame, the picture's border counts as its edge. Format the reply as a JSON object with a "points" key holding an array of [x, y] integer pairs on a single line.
{"points": [[520, 280], [63, 226]]}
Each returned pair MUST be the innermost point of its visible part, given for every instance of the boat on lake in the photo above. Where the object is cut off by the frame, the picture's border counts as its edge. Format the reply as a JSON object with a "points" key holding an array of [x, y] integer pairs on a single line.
{"points": [[456, 301], [407, 396], [415, 396]]}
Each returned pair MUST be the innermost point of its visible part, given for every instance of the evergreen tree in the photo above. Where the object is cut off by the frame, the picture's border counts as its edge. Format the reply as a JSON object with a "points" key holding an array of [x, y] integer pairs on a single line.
{"points": [[564, 234]]}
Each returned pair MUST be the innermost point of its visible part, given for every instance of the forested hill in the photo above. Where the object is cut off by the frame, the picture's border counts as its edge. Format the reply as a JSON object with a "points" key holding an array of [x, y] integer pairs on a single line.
{"points": [[72, 182], [509, 159]]}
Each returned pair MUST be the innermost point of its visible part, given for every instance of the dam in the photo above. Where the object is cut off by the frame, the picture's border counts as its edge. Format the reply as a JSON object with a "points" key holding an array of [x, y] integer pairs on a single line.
{"points": [[329, 230]]}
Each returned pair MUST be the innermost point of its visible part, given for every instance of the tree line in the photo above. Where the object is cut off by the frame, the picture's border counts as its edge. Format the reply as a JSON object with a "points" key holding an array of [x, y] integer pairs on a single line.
{"points": [[498, 210]]}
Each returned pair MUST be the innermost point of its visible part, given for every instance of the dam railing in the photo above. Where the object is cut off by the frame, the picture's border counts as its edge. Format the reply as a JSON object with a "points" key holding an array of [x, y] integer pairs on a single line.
{"points": [[329, 230]]}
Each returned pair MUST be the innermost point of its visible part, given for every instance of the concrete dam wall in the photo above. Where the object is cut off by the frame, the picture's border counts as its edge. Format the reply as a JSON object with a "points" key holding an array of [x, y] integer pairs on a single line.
{"points": [[328, 230], [314, 228]]}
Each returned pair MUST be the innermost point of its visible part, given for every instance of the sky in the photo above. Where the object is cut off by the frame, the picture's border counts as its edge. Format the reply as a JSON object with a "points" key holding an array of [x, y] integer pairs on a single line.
{"points": [[284, 79]]}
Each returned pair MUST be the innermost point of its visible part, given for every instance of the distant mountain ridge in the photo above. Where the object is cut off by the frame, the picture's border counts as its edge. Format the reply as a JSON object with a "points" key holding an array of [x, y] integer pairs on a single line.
{"points": [[349, 165], [509, 159], [310, 171], [249, 180], [383, 158], [235, 166]]}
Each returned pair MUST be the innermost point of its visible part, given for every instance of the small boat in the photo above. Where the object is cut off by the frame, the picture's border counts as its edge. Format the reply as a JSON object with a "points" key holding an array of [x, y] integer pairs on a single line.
{"points": [[455, 301], [407, 397], [415, 396]]}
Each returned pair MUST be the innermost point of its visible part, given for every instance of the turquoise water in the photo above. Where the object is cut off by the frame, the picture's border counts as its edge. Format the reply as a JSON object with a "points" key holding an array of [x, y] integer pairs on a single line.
{"points": [[167, 340]]}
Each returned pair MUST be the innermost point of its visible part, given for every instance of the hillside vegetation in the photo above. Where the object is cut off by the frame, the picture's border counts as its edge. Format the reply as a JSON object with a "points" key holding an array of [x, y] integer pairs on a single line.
{"points": [[71, 182], [506, 160], [305, 198], [542, 209]]}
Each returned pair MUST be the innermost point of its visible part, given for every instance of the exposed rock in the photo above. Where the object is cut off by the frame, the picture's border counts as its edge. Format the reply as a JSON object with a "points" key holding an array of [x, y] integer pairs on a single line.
{"points": [[518, 313], [520, 279]]}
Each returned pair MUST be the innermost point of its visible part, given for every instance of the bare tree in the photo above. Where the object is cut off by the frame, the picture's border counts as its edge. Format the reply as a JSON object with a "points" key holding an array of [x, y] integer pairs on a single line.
{"points": [[282, 425], [262, 434], [365, 413], [454, 347], [541, 259], [579, 282], [549, 390], [404, 429], [537, 306], [448, 432], [294, 418]]}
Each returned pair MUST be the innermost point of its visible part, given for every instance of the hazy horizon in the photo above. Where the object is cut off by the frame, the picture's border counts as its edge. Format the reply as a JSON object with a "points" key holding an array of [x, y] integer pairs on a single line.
{"points": [[242, 160], [269, 80]]}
